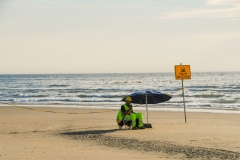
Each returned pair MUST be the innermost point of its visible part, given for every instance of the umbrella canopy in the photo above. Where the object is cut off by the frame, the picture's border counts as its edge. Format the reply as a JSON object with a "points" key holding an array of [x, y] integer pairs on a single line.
{"points": [[148, 97], [152, 97]]}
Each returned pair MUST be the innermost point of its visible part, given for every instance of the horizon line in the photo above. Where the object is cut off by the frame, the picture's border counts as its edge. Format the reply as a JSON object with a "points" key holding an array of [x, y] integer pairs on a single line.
{"points": [[113, 73]]}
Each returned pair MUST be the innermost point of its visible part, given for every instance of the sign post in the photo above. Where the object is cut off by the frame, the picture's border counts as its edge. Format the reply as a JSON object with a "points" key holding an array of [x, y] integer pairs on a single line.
{"points": [[183, 72]]}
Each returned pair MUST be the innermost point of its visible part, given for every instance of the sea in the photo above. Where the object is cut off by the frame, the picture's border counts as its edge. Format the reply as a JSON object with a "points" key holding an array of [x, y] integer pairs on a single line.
{"points": [[205, 90]]}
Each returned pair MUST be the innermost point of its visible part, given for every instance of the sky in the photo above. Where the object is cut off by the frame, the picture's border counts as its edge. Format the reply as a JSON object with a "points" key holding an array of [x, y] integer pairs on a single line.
{"points": [[118, 36]]}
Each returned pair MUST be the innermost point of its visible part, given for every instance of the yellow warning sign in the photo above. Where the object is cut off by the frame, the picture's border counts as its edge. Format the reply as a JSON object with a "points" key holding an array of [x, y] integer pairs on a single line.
{"points": [[182, 72]]}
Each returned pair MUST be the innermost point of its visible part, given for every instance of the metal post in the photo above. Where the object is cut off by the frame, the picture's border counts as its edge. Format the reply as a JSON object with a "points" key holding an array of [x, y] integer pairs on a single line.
{"points": [[147, 109], [184, 102], [183, 99]]}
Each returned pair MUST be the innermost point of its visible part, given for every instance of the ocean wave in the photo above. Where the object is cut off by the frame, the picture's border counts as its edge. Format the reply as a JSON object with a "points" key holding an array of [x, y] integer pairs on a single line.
{"points": [[228, 90], [101, 96], [207, 95], [20, 95], [58, 85], [177, 101], [39, 95], [225, 101], [93, 90], [54, 100], [238, 87], [200, 105], [209, 86], [199, 89], [29, 96]]}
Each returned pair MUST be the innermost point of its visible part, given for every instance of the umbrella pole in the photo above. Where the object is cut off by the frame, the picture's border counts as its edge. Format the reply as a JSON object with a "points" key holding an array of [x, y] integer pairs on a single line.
{"points": [[148, 125], [147, 109]]}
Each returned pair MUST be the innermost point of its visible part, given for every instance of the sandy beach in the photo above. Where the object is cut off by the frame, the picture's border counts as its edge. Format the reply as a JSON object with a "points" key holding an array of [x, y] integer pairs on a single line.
{"points": [[29, 132]]}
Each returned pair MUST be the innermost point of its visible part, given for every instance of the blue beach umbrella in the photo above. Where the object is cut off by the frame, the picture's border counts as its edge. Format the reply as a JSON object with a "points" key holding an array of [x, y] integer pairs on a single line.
{"points": [[148, 97]]}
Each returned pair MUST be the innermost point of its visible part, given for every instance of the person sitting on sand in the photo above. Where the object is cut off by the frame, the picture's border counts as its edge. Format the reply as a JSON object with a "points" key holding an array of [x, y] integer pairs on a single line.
{"points": [[126, 112]]}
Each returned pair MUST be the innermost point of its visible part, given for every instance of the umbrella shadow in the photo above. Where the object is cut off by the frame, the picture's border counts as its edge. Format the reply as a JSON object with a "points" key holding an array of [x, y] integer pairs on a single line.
{"points": [[90, 132]]}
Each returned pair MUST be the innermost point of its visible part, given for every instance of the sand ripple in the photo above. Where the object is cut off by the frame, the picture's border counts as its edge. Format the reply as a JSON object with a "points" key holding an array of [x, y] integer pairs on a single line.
{"points": [[156, 146]]}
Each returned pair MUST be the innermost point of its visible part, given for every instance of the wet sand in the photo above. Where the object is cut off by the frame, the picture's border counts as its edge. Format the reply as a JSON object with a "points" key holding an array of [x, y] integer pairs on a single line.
{"points": [[80, 133]]}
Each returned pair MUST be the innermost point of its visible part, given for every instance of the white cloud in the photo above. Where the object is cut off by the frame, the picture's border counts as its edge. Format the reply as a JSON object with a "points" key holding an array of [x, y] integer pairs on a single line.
{"points": [[232, 12], [216, 36], [224, 2]]}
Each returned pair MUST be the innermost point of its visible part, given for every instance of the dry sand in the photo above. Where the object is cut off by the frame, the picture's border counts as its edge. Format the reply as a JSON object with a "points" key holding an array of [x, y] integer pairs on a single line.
{"points": [[73, 133]]}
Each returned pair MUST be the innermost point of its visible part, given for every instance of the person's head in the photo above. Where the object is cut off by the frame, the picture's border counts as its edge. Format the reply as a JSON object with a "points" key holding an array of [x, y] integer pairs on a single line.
{"points": [[128, 100]]}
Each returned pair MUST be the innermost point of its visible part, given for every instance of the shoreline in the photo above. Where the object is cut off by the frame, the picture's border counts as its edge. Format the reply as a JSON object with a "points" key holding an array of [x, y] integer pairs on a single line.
{"points": [[143, 108]]}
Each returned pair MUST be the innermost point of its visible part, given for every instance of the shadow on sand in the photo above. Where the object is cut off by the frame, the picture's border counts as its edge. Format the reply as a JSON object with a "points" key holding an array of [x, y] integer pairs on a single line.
{"points": [[188, 152], [89, 132]]}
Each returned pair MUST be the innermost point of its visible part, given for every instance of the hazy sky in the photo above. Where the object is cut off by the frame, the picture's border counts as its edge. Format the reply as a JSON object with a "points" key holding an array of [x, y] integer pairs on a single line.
{"points": [[108, 36]]}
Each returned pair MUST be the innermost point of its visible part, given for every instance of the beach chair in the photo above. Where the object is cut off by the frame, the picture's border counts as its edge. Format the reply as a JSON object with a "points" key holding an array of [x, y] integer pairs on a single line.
{"points": [[125, 123]]}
